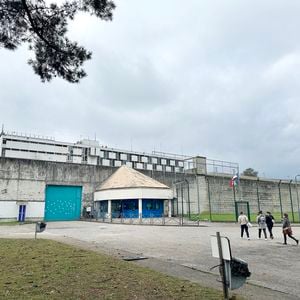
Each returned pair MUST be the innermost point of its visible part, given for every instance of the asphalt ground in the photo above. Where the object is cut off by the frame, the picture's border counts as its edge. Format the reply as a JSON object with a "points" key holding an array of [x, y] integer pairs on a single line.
{"points": [[185, 252]]}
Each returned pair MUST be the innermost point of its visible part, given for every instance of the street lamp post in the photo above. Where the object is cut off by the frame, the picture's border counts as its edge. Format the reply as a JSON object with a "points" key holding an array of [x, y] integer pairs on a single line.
{"points": [[297, 196]]}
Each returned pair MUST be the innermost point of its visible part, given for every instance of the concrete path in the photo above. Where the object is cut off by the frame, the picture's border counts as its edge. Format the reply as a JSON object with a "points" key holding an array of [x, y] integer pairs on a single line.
{"points": [[186, 251]]}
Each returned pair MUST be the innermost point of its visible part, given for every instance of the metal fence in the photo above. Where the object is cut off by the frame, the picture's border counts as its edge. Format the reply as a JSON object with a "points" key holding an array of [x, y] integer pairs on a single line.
{"points": [[178, 220], [276, 196]]}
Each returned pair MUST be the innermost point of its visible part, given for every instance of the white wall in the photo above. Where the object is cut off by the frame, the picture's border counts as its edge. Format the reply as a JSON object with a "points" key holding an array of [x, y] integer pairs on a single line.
{"points": [[34, 155], [10, 209], [37, 147], [134, 193]]}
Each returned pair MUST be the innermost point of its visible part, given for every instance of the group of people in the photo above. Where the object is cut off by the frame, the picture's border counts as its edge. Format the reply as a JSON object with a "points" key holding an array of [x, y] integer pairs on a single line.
{"points": [[264, 222]]}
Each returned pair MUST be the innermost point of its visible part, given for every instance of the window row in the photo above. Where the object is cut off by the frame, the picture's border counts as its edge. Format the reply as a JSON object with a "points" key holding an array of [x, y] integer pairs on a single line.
{"points": [[135, 158], [140, 166]]}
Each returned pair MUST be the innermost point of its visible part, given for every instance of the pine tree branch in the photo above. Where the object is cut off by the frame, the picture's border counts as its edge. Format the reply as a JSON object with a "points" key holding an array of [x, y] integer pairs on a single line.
{"points": [[36, 30]]}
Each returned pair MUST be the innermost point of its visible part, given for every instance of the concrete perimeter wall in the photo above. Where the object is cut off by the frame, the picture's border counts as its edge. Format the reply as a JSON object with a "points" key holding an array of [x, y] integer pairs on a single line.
{"points": [[26, 180], [262, 194]]}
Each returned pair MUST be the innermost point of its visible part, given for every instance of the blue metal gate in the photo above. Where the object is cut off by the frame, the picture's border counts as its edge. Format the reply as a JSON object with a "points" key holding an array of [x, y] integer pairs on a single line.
{"points": [[63, 203]]}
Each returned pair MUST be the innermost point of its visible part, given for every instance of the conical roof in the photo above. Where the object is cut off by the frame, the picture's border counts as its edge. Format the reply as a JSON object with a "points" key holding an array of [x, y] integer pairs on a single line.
{"points": [[126, 177]]}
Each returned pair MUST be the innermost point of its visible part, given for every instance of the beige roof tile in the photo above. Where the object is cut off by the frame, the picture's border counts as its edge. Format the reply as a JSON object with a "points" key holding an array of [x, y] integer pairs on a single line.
{"points": [[126, 177]]}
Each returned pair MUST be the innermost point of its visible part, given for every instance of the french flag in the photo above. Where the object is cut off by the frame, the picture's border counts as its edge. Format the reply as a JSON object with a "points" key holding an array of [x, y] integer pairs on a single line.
{"points": [[234, 181]]}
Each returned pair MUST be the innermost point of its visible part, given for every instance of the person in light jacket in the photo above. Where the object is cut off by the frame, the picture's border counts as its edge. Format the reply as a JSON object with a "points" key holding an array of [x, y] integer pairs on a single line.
{"points": [[261, 221], [243, 221], [287, 230]]}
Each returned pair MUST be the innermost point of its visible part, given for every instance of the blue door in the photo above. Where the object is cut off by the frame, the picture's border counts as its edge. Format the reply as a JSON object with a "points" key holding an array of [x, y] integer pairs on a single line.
{"points": [[153, 208], [22, 211], [130, 208], [63, 203]]}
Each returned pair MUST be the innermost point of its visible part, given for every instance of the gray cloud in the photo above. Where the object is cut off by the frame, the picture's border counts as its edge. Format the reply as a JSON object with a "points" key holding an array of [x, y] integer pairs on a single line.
{"points": [[218, 79]]}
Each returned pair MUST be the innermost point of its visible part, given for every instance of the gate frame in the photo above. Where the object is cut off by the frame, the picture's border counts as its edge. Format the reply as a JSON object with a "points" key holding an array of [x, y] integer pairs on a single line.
{"points": [[236, 203]]}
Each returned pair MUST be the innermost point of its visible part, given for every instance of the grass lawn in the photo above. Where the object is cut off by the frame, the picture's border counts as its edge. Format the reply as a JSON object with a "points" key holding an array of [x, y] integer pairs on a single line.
{"points": [[44, 269], [222, 217]]}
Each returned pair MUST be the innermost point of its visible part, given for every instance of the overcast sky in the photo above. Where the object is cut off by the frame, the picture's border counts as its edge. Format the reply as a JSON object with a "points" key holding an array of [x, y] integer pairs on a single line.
{"points": [[213, 78]]}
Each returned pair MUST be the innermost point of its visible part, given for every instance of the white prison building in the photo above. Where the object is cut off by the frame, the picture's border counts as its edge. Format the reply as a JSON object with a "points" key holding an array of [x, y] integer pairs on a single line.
{"points": [[14, 145]]}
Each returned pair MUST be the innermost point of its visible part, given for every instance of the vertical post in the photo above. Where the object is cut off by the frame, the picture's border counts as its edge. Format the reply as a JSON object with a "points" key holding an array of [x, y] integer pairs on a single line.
{"points": [[291, 200], [209, 202], [140, 209], [280, 198], [93, 200], [198, 196], [235, 204], [109, 210], [170, 208], [297, 197], [181, 205], [177, 196], [188, 197], [236, 208], [249, 213], [234, 197], [97, 209], [122, 211], [35, 231], [222, 267], [257, 193]]}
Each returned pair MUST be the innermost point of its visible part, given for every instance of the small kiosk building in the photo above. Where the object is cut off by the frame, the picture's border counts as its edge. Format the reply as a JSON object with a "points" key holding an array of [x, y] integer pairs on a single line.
{"points": [[128, 193]]}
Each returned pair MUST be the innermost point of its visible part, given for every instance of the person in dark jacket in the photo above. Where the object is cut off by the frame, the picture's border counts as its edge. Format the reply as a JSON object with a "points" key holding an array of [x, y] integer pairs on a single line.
{"points": [[286, 229], [270, 223]]}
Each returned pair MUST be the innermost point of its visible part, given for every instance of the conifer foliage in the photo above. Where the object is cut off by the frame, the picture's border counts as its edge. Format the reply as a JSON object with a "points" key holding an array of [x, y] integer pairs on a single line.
{"points": [[43, 26]]}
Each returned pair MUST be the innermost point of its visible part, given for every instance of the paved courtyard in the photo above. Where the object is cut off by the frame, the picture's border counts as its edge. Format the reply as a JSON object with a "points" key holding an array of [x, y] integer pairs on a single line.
{"points": [[186, 251]]}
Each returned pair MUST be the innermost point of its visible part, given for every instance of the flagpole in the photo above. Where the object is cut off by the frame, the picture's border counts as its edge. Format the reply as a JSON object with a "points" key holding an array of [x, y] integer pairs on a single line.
{"points": [[234, 193], [234, 199], [233, 183]]}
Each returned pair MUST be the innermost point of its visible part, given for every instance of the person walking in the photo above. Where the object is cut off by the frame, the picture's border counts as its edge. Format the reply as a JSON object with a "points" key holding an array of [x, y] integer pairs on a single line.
{"points": [[243, 221], [287, 230], [261, 221], [270, 223]]}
